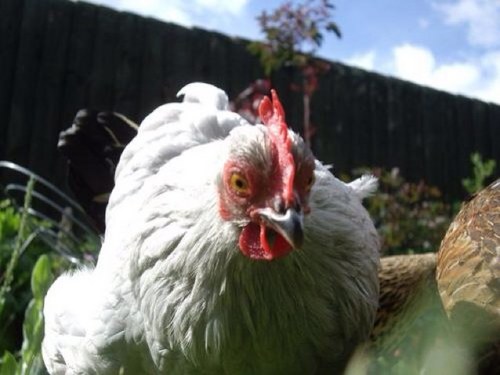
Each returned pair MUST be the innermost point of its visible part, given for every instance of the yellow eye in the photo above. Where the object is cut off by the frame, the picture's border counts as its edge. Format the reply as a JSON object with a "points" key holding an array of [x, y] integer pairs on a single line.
{"points": [[239, 184], [310, 183]]}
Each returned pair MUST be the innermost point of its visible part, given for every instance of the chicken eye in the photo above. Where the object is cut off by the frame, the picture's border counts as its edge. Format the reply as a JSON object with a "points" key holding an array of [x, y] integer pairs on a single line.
{"points": [[239, 184]]}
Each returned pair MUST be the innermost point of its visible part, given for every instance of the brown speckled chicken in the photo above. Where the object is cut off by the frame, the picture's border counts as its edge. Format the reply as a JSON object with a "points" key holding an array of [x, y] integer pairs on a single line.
{"points": [[407, 290], [458, 290], [468, 276]]}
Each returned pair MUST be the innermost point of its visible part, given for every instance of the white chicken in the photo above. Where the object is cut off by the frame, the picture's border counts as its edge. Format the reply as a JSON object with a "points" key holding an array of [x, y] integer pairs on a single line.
{"points": [[228, 250]]}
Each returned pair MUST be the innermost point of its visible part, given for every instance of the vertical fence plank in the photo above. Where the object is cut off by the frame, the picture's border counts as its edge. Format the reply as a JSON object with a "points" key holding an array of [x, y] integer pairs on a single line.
{"points": [[26, 75], [341, 124], [242, 67], [396, 149], [129, 65], [320, 112], [361, 146], [464, 135], [412, 137], [435, 171], [482, 141], [152, 67], [428, 139], [219, 59], [178, 68], [102, 79], [11, 13], [322, 117], [200, 46], [494, 134], [379, 119], [448, 144], [448, 177], [79, 60], [49, 87]]}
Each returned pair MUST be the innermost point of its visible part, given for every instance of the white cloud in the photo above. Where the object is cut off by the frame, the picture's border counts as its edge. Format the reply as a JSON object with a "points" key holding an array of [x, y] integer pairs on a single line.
{"points": [[418, 64], [365, 60], [184, 12], [476, 77], [456, 76], [482, 18], [234, 7], [490, 90], [413, 63], [171, 10], [174, 14], [479, 77]]}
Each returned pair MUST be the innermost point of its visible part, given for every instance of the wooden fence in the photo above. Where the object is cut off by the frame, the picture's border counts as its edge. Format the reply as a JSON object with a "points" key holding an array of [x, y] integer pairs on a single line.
{"points": [[57, 57]]}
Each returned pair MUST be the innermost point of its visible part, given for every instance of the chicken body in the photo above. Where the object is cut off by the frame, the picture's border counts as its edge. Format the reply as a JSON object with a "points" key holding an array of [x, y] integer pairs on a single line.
{"points": [[468, 277], [174, 292]]}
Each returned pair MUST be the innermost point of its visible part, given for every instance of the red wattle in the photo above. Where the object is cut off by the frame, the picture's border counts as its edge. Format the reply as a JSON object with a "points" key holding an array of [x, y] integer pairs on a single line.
{"points": [[254, 244]]}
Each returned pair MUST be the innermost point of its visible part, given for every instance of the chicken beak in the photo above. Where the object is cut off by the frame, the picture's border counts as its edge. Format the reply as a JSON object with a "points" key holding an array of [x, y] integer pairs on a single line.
{"points": [[289, 225]]}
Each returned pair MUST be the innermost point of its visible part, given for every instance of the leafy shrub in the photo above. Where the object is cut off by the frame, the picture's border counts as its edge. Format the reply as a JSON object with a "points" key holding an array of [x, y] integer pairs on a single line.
{"points": [[30, 360], [24, 278], [481, 171], [17, 294], [410, 217]]}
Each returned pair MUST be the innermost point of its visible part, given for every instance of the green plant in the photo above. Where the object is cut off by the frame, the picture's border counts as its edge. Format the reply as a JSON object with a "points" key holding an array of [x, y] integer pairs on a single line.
{"points": [[410, 217], [481, 171], [293, 33], [15, 254], [16, 292], [30, 361]]}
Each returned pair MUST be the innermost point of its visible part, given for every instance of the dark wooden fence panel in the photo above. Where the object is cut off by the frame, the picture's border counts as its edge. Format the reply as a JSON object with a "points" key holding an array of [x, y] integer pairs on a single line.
{"points": [[379, 117], [77, 73], [57, 57], [494, 132], [11, 13], [23, 96], [128, 53], [151, 82], [45, 114]]}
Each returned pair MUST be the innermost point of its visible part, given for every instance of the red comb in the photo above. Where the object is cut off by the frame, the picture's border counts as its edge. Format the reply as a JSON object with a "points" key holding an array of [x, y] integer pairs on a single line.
{"points": [[273, 116]]}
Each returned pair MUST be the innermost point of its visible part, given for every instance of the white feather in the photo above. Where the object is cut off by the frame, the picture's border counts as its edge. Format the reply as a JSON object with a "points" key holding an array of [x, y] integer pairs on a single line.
{"points": [[205, 94], [364, 186]]}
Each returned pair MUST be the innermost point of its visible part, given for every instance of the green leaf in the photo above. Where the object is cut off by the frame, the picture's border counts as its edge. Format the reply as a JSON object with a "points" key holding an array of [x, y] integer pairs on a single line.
{"points": [[481, 171], [9, 364], [32, 336], [2, 304], [41, 277], [31, 318], [317, 38], [35, 366], [333, 27]]}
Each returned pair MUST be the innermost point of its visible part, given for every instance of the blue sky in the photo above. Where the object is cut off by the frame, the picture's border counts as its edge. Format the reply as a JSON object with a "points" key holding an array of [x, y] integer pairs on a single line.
{"points": [[452, 45]]}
